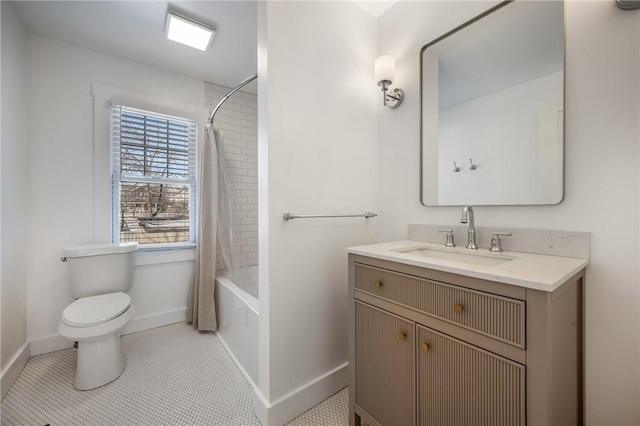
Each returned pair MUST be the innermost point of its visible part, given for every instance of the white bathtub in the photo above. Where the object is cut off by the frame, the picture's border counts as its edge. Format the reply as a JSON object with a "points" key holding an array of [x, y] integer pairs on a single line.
{"points": [[237, 310]]}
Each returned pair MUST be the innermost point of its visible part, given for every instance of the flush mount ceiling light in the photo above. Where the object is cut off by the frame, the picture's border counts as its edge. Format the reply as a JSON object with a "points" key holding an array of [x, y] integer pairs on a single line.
{"points": [[189, 32]]}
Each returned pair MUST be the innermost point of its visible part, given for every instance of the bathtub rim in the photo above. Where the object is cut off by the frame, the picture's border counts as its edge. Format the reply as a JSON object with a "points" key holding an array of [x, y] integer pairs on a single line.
{"points": [[251, 301]]}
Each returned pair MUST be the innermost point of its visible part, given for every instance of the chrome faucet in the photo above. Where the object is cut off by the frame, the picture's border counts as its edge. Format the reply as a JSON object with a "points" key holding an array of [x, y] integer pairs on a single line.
{"points": [[467, 216]]}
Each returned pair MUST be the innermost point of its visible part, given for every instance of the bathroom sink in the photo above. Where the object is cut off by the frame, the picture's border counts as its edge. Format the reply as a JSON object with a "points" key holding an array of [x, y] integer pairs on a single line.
{"points": [[456, 256]]}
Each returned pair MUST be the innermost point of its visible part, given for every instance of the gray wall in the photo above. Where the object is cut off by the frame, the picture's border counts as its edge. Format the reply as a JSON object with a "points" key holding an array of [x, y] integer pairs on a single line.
{"points": [[14, 179]]}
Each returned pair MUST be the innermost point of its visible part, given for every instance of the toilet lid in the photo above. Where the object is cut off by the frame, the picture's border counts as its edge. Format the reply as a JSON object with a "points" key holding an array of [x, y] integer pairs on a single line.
{"points": [[94, 310]]}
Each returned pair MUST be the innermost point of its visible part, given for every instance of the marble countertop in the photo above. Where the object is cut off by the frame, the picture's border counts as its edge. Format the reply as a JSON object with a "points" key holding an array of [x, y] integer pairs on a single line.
{"points": [[535, 271]]}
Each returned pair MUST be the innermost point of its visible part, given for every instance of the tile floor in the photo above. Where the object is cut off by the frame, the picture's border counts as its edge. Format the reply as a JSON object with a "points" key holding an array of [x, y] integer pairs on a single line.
{"points": [[173, 375]]}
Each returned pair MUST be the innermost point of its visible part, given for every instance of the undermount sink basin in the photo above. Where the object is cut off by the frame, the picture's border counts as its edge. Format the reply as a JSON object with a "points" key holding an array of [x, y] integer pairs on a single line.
{"points": [[472, 257]]}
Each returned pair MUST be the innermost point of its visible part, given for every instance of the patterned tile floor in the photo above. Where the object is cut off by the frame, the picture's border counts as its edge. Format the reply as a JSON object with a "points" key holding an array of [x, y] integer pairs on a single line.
{"points": [[174, 375], [333, 411]]}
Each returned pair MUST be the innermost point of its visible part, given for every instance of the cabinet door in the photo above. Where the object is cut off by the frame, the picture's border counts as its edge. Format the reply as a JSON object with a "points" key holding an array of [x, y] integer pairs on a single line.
{"points": [[385, 366], [461, 384]]}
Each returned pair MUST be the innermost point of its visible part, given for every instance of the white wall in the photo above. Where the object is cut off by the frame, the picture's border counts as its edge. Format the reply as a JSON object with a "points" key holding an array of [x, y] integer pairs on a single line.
{"points": [[602, 190], [15, 179], [503, 140], [317, 154], [68, 201]]}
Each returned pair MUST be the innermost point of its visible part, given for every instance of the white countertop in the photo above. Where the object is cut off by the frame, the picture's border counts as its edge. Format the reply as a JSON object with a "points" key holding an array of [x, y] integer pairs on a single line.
{"points": [[535, 271]]}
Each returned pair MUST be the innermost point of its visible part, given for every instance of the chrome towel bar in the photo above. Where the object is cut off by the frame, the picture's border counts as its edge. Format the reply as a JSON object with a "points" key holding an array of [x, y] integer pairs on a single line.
{"points": [[290, 216]]}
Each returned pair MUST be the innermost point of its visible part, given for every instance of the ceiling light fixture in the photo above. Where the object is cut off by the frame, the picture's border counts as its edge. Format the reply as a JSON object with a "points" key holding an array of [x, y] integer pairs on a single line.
{"points": [[189, 32]]}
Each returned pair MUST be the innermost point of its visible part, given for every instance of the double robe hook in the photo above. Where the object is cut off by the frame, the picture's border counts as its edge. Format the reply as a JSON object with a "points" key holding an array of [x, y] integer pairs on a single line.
{"points": [[472, 166]]}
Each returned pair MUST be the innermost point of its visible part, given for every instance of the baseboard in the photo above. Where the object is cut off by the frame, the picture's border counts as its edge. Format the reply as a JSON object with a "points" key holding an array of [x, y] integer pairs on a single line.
{"points": [[300, 400], [237, 362], [52, 343], [13, 369], [160, 319], [56, 342]]}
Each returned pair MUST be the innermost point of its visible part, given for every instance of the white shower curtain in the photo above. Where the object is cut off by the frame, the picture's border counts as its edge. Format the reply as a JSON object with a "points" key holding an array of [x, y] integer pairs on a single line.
{"points": [[201, 309]]}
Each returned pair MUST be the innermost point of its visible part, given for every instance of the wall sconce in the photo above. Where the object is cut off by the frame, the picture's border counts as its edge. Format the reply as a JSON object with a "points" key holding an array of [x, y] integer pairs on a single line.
{"points": [[385, 70]]}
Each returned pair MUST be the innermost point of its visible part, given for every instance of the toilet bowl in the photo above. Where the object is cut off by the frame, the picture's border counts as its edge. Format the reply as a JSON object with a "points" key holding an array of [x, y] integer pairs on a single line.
{"points": [[95, 323], [99, 275]]}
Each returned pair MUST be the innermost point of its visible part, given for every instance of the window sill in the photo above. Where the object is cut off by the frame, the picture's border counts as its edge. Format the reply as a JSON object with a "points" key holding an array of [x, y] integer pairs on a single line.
{"points": [[154, 256]]}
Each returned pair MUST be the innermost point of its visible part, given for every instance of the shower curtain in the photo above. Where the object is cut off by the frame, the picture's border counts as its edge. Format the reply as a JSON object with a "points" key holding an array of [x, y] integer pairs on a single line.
{"points": [[214, 226]]}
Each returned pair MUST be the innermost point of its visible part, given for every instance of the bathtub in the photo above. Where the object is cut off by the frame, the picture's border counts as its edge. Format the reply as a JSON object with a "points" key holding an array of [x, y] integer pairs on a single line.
{"points": [[237, 310]]}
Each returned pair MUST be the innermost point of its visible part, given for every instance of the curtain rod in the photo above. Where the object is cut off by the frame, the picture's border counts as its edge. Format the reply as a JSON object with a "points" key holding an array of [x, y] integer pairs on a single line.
{"points": [[234, 90]]}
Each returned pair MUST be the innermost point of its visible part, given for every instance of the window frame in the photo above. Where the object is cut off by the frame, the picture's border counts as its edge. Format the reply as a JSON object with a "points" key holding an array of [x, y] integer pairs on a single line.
{"points": [[118, 178], [103, 96]]}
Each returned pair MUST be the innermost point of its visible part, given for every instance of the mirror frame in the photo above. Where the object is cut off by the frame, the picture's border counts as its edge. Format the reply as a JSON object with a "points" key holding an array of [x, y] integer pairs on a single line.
{"points": [[564, 102]]}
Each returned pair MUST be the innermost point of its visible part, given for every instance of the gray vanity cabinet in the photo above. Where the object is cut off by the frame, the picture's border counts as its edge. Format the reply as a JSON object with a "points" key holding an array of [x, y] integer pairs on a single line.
{"points": [[433, 348], [460, 384], [384, 339]]}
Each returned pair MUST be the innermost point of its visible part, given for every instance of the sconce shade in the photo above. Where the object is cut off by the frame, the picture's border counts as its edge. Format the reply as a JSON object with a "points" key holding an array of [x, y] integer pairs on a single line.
{"points": [[385, 72], [385, 69]]}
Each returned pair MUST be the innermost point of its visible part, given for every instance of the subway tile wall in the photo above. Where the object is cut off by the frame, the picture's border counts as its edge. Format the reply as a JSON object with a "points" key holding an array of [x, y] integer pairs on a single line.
{"points": [[237, 121]]}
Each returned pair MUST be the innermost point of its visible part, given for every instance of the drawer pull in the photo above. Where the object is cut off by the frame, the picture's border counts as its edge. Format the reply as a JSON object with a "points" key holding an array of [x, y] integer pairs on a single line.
{"points": [[402, 335], [458, 307], [378, 284], [424, 347]]}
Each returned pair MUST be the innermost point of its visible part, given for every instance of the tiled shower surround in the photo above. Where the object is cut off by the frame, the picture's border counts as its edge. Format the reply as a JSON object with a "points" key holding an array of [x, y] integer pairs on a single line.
{"points": [[237, 121]]}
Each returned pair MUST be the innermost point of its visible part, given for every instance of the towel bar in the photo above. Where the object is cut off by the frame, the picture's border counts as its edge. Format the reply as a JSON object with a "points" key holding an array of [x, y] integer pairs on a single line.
{"points": [[290, 216]]}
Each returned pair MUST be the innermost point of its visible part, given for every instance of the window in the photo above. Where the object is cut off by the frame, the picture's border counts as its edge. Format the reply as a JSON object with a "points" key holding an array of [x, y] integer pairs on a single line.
{"points": [[153, 177]]}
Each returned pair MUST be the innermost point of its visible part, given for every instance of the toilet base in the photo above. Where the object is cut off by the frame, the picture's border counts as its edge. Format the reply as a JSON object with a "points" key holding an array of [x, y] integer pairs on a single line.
{"points": [[100, 356], [99, 362]]}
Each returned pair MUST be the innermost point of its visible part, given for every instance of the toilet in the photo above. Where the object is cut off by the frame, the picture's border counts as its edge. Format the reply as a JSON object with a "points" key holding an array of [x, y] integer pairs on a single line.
{"points": [[99, 275]]}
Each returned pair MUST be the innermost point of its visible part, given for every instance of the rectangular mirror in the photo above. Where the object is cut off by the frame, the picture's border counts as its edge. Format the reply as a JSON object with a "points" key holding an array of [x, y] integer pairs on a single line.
{"points": [[492, 109]]}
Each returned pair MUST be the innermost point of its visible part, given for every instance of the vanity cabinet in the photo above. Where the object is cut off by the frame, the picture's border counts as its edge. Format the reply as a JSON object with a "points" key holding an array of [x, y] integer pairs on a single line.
{"points": [[461, 384], [429, 347], [384, 340]]}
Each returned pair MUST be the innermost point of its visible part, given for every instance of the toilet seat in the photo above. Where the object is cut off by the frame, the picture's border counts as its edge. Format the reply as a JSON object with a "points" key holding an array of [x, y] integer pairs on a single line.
{"points": [[94, 310]]}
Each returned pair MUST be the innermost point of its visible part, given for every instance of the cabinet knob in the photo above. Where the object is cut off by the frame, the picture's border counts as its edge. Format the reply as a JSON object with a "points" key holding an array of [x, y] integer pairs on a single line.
{"points": [[402, 335], [458, 307], [378, 284], [424, 347]]}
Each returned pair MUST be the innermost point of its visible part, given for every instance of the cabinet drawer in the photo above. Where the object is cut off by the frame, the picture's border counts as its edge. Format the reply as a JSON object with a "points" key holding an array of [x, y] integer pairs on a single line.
{"points": [[498, 317]]}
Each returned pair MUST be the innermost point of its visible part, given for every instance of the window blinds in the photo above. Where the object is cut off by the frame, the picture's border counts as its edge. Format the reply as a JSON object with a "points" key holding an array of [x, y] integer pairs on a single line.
{"points": [[153, 176]]}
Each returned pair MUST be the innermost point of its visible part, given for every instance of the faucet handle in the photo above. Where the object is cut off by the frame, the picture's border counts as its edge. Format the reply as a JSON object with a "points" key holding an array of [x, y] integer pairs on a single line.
{"points": [[496, 242], [450, 242]]}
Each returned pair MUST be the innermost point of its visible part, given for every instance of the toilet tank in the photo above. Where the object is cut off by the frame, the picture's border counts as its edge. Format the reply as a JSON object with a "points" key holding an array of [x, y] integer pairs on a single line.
{"points": [[100, 268]]}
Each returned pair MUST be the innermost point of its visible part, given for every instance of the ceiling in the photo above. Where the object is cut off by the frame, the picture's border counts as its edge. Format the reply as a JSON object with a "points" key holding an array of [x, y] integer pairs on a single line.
{"points": [[135, 30], [375, 7]]}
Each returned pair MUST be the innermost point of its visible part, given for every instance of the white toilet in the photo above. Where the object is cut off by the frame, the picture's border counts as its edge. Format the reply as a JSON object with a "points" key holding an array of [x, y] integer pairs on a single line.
{"points": [[99, 274]]}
